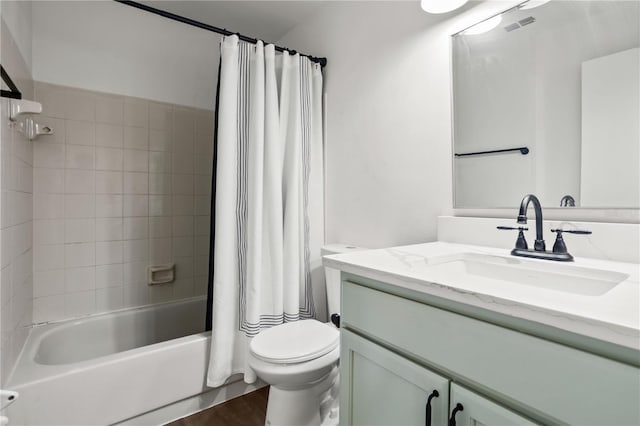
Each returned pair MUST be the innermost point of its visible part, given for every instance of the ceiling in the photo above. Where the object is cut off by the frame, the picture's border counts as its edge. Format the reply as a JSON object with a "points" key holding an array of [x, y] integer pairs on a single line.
{"points": [[266, 20]]}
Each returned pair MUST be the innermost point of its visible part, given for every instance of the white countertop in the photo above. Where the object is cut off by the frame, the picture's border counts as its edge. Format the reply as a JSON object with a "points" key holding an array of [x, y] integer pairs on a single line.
{"points": [[612, 317]]}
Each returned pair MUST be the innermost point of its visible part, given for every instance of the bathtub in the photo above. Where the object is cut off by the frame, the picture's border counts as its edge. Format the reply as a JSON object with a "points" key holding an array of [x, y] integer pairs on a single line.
{"points": [[115, 367]]}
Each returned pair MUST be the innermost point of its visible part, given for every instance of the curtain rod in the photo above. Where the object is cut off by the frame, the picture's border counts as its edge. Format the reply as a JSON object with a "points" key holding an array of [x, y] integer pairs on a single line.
{"points": [[223, 31]]}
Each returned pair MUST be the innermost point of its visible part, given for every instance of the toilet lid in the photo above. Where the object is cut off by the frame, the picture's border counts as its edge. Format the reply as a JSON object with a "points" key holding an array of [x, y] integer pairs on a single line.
{"points": [[295, 342]]}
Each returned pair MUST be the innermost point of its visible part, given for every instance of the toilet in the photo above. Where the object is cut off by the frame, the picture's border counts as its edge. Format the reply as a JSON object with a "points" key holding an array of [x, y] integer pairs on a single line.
{"points": [[300, 362]]}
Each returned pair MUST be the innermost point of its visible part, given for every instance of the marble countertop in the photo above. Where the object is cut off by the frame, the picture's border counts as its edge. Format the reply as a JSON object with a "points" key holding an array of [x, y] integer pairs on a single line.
{"points": [[612, 317]]}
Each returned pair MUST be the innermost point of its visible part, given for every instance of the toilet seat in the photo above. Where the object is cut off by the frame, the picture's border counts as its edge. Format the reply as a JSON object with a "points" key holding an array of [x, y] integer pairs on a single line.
{"points": [[295, 342]]}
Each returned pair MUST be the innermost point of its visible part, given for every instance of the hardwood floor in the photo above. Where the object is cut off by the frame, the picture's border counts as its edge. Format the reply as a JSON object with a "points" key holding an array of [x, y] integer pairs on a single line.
{"points": [[246, 410]]}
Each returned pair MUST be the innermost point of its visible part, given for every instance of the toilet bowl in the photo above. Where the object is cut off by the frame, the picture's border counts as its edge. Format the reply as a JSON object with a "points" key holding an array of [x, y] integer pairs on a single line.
{"points": [[300, 362]]}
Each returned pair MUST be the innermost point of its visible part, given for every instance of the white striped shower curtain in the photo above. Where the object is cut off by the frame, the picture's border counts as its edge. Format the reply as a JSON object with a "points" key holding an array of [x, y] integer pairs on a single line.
{"points": [[269, 199]]}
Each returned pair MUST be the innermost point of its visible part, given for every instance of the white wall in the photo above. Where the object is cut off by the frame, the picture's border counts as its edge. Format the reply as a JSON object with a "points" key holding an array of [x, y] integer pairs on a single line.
{"points": [[17, 17], [388, 149], [109, 47]]}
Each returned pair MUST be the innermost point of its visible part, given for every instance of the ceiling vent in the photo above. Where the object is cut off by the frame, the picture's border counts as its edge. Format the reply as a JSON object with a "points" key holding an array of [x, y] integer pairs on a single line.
{"points": [[526, 21], [521, 23]]}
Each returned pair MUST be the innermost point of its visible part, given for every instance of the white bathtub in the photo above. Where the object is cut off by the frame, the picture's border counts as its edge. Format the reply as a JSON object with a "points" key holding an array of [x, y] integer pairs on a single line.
{"points": [[105, 369]]}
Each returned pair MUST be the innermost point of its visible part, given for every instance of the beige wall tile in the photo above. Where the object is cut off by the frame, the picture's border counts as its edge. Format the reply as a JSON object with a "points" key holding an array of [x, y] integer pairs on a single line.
{"points": [[159, 162], [79, 205], [136, 138], [79, 105], [182, 184], [79, 181], [136, 112], [109, 299], [48, 181], [108, 182], [79, 230], [50, 155], [111, 197], [109, 229], [160, 116], [136, 228], [109, 205], [109, 109], [136, 161], [80, 157], [80, 132], [109, 159], [109, 275], [160, 183], [136, 205], [159, 140], [109, 135]]}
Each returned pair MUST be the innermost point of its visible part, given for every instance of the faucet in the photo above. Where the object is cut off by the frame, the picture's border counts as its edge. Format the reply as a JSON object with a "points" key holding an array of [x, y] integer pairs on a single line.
{"points": [[539, 248], [567, 201], [539, 245]]}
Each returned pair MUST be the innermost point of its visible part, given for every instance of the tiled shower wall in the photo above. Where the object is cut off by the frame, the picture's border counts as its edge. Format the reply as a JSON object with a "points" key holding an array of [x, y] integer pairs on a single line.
{"points": [[124, 183], [16, 212]]}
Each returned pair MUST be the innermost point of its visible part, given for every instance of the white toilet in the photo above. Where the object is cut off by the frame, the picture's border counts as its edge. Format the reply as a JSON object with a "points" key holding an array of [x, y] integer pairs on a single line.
{"points": [[300, 362]]}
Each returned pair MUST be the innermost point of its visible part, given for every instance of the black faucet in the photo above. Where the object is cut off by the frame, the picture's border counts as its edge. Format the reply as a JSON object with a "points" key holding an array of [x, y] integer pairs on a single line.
{"points": [[539, 245], [539, 248], [567, 201]]}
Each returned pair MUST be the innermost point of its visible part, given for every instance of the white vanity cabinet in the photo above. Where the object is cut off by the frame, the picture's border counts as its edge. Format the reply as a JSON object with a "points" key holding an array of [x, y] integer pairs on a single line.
{"points": [[396, 350]]}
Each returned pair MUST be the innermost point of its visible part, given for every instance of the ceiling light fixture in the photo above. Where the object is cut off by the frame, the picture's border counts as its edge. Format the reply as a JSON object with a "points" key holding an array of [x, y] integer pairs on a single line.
{"points": [[484, 26], [533, 3], [441, 6]]}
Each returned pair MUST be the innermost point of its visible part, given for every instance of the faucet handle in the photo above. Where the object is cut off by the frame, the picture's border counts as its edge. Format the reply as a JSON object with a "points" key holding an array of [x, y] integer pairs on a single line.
{"points": [[521, 242], [559, 246], [512, 228], [572, 231]]}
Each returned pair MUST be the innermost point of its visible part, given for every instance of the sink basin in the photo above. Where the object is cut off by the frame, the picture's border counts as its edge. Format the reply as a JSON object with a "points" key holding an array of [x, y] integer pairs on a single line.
{"points": [[472, 267]]}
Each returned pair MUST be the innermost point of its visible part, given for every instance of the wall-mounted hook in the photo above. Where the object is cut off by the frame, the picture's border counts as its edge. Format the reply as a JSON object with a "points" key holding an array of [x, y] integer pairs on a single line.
{"points": [[18, 107]]}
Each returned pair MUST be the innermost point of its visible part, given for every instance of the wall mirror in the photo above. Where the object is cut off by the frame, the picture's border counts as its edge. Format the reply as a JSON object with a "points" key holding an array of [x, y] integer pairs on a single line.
{"points": [[547, 101]]}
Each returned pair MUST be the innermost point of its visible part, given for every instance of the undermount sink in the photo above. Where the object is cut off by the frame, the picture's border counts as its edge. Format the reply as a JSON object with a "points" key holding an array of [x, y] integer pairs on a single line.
{"points": [[470, 267]]}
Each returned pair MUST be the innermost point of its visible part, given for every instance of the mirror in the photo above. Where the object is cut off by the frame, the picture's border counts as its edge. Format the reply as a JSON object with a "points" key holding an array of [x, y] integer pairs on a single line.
{"points": [[548, 102]]}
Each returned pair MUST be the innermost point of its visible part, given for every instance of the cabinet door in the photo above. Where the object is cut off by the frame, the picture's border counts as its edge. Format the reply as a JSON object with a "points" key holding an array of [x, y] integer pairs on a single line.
{"points": [[475, 410], [379, 387]]}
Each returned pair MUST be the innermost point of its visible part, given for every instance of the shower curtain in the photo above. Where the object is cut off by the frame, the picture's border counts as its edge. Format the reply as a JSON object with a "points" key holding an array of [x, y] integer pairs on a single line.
{"points": [[268, 199]]}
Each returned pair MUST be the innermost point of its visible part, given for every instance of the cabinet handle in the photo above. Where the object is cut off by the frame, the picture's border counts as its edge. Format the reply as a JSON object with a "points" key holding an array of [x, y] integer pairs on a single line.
{"points": [[452, 420], [434, 394]]}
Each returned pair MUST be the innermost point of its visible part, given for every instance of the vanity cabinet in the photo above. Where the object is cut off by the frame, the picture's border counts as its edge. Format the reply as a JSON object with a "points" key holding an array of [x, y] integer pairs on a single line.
{"points": [[477, 410], [381, 388], [396, 350]]}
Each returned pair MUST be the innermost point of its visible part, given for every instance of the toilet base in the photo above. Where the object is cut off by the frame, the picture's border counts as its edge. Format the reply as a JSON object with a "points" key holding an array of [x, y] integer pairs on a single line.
{"points": [[314, 405]]}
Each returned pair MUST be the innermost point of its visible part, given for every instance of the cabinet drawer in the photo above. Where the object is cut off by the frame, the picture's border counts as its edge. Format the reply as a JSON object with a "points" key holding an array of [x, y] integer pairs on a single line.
{"points": [[545, 379], [475, 410]]}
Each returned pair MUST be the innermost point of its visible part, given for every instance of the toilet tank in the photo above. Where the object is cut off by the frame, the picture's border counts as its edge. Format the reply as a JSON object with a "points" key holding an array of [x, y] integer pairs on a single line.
{"points": [[332, 276]]}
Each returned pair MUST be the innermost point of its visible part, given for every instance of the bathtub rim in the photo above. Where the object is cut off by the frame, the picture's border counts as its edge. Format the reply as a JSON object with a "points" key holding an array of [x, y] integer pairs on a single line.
{"points": [[44, 330], [27, 371], [117, 311]]}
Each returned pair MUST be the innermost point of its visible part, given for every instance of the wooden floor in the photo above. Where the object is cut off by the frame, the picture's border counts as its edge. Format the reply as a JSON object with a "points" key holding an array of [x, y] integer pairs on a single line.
{"points": [[246, 410]]}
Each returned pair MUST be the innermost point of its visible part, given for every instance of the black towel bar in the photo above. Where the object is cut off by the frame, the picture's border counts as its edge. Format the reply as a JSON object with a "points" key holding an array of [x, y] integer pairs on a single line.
{"points": [[523, 150]]}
